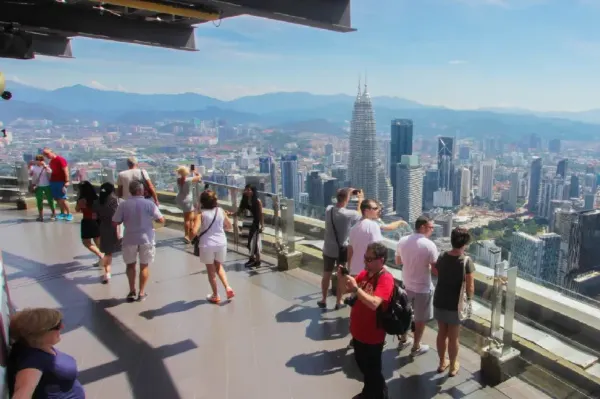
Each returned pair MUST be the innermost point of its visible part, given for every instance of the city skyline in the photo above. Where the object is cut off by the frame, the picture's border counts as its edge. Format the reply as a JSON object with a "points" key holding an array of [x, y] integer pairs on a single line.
{"points": [[490, 57]]}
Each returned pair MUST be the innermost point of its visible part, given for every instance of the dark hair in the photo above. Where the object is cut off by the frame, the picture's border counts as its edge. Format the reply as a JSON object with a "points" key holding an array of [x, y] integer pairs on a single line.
{"points": [[460, 237], [87, 192], [106, 190], [208, 199], [39, 157], [421, 221], [342, 195], [252, 203], [368, 204], [379, 250]]}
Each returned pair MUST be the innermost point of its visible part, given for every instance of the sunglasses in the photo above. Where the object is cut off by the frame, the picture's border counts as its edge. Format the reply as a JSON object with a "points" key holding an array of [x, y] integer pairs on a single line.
{"points": [[375, 208], [57, 327], [369, 259]]}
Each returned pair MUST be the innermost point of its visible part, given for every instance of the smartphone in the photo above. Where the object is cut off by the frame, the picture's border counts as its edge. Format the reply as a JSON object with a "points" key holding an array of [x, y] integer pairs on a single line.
{"points": [[192, 167], [355, 192], [344, 270]]}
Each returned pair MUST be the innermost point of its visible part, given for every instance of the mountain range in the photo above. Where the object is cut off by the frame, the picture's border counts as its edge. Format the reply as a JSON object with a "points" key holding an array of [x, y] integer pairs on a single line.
{"points": [[291, 111]]}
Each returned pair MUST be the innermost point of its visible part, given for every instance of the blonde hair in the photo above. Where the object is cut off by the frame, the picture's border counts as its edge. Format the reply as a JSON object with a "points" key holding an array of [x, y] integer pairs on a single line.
{"points": [[183, 170], [31, 325], [39, 157]]}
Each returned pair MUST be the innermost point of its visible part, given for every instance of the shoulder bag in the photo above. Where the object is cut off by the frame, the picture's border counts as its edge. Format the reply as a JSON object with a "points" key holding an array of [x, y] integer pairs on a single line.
{"points": [[197, 238], [342, 249], [33, 185], [464, 308], [147, 193]]}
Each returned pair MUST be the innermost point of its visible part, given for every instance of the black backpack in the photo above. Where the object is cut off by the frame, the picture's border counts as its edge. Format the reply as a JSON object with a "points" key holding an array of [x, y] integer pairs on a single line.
{"points": [[397, 318]]}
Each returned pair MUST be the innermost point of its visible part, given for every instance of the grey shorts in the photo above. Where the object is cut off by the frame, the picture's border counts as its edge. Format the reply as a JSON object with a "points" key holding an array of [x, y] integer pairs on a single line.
{"points": [[422, 305], [329, 264], [446, 316]]}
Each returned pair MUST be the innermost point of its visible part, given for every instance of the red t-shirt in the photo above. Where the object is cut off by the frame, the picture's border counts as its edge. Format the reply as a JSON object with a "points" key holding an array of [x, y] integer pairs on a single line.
{"points": [[363, 321], [57, 165]]}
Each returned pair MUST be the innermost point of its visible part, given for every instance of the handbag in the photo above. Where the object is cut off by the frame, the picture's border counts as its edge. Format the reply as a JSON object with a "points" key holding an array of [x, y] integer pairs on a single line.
{"points": [[342, 249], [196, 240], [464, 305]]}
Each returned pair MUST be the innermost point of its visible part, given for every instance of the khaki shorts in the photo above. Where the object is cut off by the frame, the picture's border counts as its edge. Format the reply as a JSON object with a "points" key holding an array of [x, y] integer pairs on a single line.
{"points": [[146, 254]]}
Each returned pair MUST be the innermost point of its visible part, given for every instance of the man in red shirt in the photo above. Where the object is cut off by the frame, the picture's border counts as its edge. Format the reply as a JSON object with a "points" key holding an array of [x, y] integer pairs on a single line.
{"points": [[59, 182], [373, 287]]}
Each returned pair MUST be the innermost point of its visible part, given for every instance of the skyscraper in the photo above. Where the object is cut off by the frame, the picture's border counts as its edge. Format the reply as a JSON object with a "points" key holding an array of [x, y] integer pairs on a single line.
{"points": [[535, 182], [401, 144], [328, 149], [486, 180], [364, 167], [574, 191], [267, 165], [536, 257], [584, 251], [409, 190], [562, 167], [465, 187], [457, 183], [289, 177], [513, 194], [445, 157], [552, 189], [554, 146], [430, 186]]}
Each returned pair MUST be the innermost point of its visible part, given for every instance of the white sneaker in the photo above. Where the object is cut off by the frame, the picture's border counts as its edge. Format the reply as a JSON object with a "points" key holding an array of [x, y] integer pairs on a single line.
{"points": [[422, 349], [404, 344]]}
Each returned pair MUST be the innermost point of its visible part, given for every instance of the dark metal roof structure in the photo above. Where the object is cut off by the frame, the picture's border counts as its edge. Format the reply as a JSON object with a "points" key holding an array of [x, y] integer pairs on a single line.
{"points": [[46, 27]]}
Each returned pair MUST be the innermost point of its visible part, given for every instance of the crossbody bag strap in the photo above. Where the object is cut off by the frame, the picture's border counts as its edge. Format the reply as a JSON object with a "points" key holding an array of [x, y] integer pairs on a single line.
{"points": [[39, 176], [334, 229], [209, 226]]}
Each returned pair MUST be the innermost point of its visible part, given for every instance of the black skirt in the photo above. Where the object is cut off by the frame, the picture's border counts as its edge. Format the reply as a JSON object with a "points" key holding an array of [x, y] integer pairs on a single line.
{"points": [[89, 229]]}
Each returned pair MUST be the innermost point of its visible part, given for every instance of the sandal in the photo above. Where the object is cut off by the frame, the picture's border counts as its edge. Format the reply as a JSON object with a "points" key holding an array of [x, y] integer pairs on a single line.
{"points": [[454, 370], [443, 367], [213, 299], [230, 294]]}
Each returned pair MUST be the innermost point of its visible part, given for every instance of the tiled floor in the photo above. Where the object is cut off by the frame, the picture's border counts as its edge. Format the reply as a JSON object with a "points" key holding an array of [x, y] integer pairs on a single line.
{"points": [[271, 342]]}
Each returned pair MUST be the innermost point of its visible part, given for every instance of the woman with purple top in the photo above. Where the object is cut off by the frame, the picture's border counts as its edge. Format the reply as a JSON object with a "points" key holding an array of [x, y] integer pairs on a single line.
{"points": [[35, 368]]}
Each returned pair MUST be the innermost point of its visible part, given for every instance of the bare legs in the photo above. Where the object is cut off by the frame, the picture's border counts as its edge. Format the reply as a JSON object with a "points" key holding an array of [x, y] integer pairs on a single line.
{"points": [[216, 270], [106, 263], [447, 339], [63, 205], [325, 282], [144, 274], [188, 225], [92, 246]]}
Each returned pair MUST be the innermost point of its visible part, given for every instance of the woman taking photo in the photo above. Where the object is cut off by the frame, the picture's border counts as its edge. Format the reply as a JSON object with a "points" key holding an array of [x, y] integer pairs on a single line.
{"points": [[455, 271], [250, 202], [90, 231], [110, 241], [35, 369], [40, 179], [212, 243], [185, 200]]}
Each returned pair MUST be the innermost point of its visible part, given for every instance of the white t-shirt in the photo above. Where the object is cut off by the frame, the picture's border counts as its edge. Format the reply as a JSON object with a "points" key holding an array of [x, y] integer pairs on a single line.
{"points": [[127, 176], [362, 234], [215, 236], [39, 176], [417, 253]]}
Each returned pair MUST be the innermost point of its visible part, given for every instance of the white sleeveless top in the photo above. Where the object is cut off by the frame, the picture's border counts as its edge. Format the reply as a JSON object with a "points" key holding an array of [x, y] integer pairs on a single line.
{"points": [[215, 236]]}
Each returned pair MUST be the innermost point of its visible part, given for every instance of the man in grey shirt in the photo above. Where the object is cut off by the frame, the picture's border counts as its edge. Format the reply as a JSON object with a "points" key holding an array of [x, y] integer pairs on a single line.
{"points": [[338, 221]]}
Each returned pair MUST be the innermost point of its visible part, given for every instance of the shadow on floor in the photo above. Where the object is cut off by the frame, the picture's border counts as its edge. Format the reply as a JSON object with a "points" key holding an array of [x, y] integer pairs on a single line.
{"points": [[174, 307], [325, 363]]}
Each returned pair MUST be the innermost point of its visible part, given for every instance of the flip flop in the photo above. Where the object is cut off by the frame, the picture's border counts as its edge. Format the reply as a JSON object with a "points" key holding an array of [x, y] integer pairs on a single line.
{"points": [[443, 368], [454, 370]]}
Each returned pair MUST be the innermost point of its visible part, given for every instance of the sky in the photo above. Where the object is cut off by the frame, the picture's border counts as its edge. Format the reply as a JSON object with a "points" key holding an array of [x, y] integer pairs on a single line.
{"points": [[540, 55]]}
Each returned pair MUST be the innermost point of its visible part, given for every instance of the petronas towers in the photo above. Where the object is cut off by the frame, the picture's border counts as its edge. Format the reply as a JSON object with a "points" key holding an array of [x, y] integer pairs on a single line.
{"points": [[365, 167]]}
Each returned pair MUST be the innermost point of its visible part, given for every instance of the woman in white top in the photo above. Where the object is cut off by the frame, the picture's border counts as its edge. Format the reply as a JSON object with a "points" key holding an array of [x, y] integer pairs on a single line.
{"points": [[40, 179], [212, 243]]}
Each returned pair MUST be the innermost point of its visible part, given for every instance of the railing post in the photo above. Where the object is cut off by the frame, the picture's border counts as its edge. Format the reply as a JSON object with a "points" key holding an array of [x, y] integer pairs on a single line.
{"points": [[287, 257], [233, 194], [509, 314], [289, 226]]}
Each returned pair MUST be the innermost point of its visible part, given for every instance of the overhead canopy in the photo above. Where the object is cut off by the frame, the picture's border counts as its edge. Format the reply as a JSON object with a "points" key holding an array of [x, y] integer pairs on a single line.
{"points": [[47, 26]]}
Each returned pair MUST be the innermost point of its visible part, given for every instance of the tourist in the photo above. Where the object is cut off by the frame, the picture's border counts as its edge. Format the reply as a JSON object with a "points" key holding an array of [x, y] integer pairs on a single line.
{"points": [[212, 243], [338, 221], [418, 254], [373, 287], [138, 214], [365, 232], [40, 178], [90, 231], [185, 200], [455, 271], [110, 240], [135, 173], [60, 180], [35, 368], [251, 202]]}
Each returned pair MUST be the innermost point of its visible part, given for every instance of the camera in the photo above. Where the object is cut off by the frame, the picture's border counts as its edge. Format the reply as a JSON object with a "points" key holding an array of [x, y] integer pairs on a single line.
{"points": [[355, 192], [6, 95], [351, 300], [344, 270], [192, 167]]}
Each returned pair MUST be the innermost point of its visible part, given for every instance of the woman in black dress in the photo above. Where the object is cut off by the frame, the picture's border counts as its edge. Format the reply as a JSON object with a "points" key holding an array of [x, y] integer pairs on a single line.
{"points": [[251, 202], [110, 241]]}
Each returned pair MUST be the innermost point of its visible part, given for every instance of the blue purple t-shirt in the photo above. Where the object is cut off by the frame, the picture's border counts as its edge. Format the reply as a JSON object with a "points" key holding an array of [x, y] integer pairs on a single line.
{"points": [[59, 372]]}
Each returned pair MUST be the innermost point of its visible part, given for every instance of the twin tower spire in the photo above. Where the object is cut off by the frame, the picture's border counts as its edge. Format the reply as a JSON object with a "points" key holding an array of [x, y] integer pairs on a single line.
{"points": [[365, 91]]}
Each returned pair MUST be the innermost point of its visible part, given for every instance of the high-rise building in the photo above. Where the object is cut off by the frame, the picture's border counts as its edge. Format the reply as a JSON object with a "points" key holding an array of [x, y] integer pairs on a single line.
{"points": [[401, 144], [267, 165], [321, 188], [362, 165], [549, 269], [562, 168], [464, 152], [465, 187], [430, 186], [554, 146], [457, 184], [486, 180], [552, 189], [513, 193], [385, 153], [385, 191], [590, 182], [340, 173], [584, 251], [328, 149], [409, 188], [445, 156], [574, 191], [536, 257], [290, 187], [589, 200], [535, 183]]}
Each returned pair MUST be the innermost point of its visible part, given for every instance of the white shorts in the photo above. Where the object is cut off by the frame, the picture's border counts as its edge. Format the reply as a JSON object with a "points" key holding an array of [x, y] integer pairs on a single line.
{"points": [[146, 252], [208, 255]]}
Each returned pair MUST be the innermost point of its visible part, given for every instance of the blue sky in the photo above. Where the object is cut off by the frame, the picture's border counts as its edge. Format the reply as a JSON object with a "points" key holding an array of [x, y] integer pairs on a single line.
{"points": [[536, 54]]}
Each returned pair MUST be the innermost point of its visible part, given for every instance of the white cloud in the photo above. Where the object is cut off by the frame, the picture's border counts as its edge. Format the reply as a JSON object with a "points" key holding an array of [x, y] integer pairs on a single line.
{"points": [[457, 62]]}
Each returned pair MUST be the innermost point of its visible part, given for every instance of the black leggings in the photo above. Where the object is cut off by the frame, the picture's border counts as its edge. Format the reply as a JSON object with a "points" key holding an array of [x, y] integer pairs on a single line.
{"points": [[368, 359], [253, 241]]}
